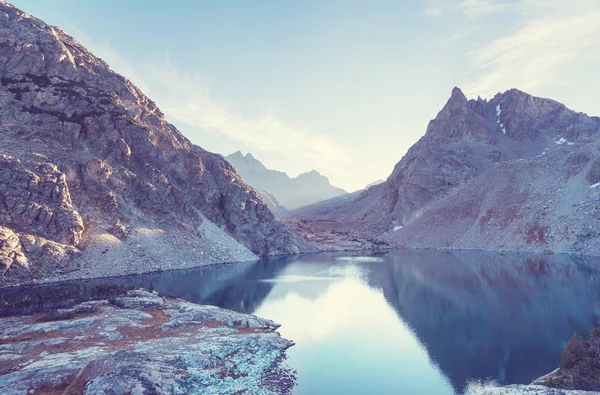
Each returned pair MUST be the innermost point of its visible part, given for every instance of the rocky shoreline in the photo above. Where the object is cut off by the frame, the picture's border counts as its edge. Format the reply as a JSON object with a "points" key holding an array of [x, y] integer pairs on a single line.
{"points": [[145, 251], [140, 342], [578, 373]]}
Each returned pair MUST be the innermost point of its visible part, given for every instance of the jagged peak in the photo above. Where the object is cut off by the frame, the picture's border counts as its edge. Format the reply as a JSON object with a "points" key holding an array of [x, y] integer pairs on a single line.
{"points": [[457, 94], [516, 92], [456, 104], [311, 173], [458, 101], [240, 155], [516, 95]]}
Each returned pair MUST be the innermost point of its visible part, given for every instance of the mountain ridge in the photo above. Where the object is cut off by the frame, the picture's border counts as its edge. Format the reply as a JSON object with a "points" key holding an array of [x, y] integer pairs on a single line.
{"points": [[480, 177], [291, 192], [94, 181]]}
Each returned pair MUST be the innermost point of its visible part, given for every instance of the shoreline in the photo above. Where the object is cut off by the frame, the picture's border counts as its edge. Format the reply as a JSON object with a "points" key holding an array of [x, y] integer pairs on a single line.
{"points": [[81, 275]]}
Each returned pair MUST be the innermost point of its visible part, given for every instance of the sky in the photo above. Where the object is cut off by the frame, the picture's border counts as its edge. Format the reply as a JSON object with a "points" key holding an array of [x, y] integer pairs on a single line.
{"points": [[344, 87]]}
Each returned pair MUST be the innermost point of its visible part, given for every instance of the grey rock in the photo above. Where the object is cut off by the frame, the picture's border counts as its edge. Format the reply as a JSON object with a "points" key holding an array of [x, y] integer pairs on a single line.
{"points": [[139, 302], [10, 251], [518, 389], [139, 299], [179, 348]]}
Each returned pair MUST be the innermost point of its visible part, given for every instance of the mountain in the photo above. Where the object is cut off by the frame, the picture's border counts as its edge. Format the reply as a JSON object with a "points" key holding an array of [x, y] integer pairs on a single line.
{"points": [[307, 188], [376, 182], [330, 205], [273, 204], [516, 172], [93, 179]]}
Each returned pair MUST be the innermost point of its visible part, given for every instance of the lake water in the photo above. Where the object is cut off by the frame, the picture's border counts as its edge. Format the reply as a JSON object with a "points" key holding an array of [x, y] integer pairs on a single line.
{"points": [[404, 322]]}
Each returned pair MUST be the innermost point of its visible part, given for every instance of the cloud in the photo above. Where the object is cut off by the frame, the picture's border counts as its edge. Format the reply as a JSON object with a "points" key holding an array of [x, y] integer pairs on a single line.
{"points": [[540, 52], [471, 9], [434, 10], [479, 8], [185, 99]]}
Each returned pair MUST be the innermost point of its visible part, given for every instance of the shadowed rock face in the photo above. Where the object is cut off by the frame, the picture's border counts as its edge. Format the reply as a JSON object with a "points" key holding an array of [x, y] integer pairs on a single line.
{"points": [[84, 153], [516, 172]]}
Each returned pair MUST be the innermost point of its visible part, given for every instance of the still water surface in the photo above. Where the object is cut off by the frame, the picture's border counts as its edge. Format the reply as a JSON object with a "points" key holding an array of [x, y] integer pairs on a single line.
{"points": [[404, 322]]}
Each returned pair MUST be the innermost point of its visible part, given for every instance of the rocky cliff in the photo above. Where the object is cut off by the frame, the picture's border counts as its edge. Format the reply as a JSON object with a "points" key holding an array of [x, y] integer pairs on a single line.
{"points": [[291, 193], [516, 172], [91, 169]]}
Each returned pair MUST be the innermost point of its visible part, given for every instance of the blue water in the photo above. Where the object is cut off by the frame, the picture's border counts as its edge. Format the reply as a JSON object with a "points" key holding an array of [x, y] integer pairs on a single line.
{"points": [[402, 322]]}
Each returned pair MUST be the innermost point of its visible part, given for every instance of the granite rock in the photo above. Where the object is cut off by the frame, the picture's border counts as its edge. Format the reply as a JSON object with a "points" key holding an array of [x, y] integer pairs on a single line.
{"points": [[102, 347]]}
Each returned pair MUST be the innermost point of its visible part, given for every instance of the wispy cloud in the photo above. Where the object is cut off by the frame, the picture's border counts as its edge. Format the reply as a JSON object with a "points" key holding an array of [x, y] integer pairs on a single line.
{"points": [[479, 8], [185, 99], [471, 9], [435, 9], [539, 52]]}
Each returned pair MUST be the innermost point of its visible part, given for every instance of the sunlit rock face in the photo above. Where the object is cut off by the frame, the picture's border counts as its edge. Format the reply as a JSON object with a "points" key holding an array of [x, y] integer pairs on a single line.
{"points": [[139, 342], [86, 156], [515, 172]]}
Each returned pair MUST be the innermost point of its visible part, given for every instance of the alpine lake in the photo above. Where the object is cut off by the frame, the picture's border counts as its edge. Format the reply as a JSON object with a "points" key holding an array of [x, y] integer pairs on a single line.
{"points": [[413, 322]]}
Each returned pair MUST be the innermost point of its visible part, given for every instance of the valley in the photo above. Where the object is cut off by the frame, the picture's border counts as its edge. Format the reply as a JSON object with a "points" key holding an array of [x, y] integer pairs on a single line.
{"points": [[135, 261]]}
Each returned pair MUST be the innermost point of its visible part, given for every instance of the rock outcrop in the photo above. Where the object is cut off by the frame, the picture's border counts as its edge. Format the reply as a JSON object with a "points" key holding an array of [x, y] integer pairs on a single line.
{"points": [[291, 193], [142, 343], [86, 156], [516, 172], [579, 366]]}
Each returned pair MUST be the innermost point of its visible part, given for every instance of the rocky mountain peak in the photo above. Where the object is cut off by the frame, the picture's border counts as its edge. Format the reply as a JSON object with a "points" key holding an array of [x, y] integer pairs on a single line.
{"points": [[237, 155], [86, 157], [311, 173], [456, 104], [457, 119], [515, 172], [458, 95]]}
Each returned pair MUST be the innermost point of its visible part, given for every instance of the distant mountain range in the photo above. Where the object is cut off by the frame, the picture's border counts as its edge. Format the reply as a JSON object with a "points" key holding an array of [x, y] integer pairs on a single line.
{"points": [[330, 205], [291, 193]]}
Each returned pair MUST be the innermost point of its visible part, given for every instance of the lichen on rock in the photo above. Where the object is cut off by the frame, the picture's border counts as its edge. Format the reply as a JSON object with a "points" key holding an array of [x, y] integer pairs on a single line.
{"points": [[142, 342]]}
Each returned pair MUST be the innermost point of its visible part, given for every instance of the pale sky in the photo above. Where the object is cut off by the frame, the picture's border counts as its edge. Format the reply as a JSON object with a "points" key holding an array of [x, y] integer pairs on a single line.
{"points": [[341, 86]]}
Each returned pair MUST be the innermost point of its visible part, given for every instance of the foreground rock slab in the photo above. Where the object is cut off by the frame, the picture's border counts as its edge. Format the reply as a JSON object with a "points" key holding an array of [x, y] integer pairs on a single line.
{"points": [[141, 343], [523, 389]]}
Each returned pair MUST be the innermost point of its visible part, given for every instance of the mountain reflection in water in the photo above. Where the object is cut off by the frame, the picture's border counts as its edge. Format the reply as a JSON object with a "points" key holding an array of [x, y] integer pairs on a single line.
{"points": [[402, 322]]}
